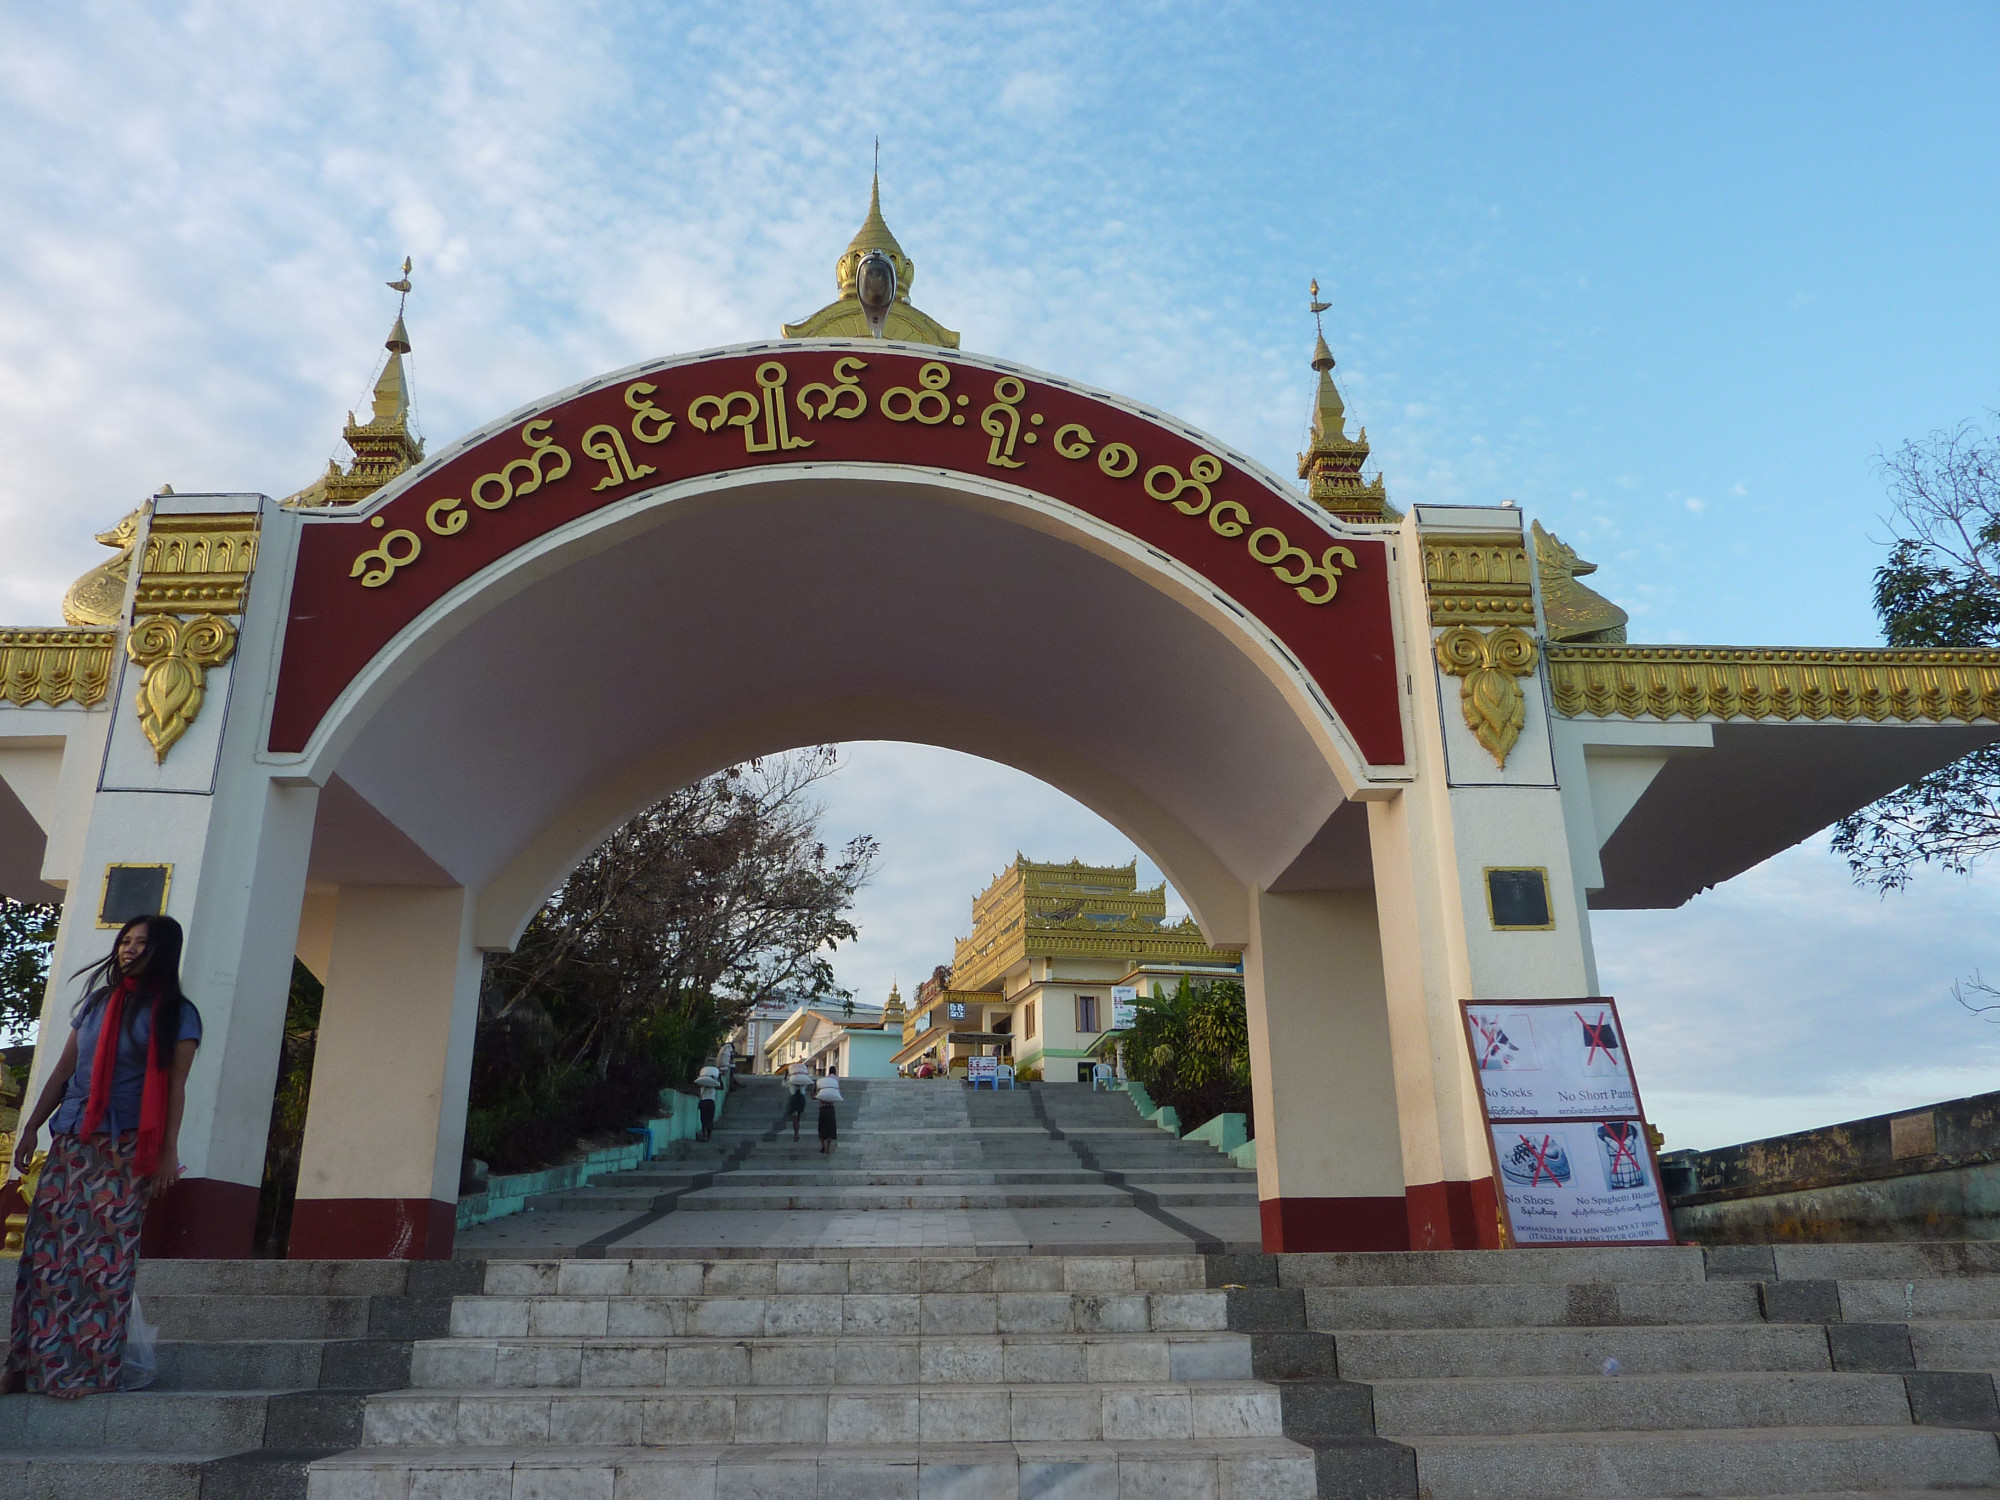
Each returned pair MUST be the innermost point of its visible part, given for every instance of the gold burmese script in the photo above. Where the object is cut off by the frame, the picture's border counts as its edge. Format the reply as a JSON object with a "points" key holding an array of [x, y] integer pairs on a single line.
{"points": [[764, 417]]}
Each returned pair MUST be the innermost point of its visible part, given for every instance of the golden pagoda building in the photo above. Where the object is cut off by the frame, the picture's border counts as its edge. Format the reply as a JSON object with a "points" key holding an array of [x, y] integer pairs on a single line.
{"points": [[1035, 981]]}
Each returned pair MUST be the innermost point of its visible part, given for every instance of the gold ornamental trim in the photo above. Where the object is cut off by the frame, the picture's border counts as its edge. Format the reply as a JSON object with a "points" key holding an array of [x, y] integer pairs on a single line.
{"points": [[1722, 682], [1491, 662], [1477, 580], [55, 666], [176, 655], [197, 564]]}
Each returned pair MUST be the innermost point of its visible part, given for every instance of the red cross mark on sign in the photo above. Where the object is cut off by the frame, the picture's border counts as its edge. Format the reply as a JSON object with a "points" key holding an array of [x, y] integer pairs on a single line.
{"points": [[1541, 1155], [1598, 1037], [1622, 1147], [1493, 1038]]}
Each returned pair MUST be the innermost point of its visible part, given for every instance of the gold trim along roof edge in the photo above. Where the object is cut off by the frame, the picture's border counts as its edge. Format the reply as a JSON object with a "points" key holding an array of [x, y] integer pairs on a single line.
{"points": [[53, 665], [1780, 684]]}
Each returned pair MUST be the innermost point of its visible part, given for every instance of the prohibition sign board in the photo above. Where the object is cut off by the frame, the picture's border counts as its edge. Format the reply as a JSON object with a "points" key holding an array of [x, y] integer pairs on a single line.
{"points": [[1573, 1163]]}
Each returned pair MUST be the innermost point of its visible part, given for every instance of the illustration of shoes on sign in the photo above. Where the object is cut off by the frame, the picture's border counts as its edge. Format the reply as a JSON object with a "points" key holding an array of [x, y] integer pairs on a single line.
{"points": [[1537, 1161], [1620, 1140]]}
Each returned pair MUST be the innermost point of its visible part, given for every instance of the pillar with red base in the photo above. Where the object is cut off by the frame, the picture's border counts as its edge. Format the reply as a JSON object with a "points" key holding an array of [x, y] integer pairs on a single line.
{"points": [[385, 1121], [1329, 1164]]}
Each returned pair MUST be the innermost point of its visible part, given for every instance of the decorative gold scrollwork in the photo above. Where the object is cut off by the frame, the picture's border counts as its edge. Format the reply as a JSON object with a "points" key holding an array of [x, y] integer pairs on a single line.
{"points": [[384, 561], [929, 406], [833, 400], [1118, 460], [1206, 468], [1073, 440], [637, 396], [1491, 664], [1002, 422], [177, 657], [777, 438], [607, 443]]}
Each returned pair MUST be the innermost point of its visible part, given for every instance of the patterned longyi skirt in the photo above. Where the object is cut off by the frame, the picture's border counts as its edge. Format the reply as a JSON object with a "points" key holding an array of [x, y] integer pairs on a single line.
{"points": [[79, 1259]]}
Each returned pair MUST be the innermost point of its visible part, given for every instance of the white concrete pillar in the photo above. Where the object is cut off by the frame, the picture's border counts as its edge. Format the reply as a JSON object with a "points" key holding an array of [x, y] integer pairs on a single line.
{"points": [[237, 840], [1329, 1163], [1477, 804], [385, 1123]]}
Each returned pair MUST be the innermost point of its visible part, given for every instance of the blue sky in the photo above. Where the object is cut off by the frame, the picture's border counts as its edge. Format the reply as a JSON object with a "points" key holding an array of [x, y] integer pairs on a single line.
{"points": [[1671, 279]]}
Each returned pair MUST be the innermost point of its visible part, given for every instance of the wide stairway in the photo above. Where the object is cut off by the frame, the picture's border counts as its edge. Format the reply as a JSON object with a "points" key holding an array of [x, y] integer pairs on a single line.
{"points": [[887, 1373], [919, 1165]]}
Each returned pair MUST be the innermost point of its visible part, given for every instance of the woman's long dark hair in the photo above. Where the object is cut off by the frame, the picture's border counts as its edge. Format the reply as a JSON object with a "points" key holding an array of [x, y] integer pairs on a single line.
{"points": [[158, 981]]}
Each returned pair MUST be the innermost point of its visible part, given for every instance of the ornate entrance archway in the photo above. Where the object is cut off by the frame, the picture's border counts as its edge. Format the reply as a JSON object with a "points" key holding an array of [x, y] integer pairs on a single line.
{"points": [[377, 732]]}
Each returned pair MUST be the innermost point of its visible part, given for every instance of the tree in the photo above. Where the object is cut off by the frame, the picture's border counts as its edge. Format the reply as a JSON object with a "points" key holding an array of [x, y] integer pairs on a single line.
{"points": [[1192, 1049], [708, 902], [27, 934], [1940, 587]]}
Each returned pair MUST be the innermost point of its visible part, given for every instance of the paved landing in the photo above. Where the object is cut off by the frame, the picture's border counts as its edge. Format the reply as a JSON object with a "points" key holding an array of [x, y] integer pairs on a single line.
{"points": [[920, 1165]]}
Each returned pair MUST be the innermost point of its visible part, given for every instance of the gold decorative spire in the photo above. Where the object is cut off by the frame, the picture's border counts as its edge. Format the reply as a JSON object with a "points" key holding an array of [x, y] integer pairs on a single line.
{"points": [[383, 446], [844, 318], [1331, 465], [892, 1012]]}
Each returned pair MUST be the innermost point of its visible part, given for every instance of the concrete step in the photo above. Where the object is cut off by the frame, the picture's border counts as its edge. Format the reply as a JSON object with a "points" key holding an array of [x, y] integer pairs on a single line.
{"points": [[166, 1474], [1051, 1413], [1218, 1469], [1167, 1195], [1546, 1305], [1423, 1353], [282, 1364], [1711, 1461], [902, 1274], [828, 1314], [1872, 1301], [181, 1421], [1970, 1345], [849, 1361], [231, 1315], [1437, 1268], [1405, 1409]]}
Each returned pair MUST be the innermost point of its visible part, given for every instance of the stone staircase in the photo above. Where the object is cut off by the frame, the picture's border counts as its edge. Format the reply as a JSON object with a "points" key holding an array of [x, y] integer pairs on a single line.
{"points": [[1457, 1376], [264, 1366], [908, 1144], [885, 1373]]}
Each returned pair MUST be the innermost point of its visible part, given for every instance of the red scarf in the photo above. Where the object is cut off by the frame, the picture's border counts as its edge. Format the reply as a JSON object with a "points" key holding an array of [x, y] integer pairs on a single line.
{"points": [[103, 1074]]}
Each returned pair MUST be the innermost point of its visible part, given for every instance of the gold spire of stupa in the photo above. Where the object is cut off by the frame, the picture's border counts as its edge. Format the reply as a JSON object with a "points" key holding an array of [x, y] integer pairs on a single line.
{"points": [[844, 318], [1331, 464], [383, 446]]}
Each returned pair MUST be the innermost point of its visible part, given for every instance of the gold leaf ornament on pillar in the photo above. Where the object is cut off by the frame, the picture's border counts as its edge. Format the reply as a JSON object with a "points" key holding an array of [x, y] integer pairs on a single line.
{"points": [[1491, 664], [176, 655]]}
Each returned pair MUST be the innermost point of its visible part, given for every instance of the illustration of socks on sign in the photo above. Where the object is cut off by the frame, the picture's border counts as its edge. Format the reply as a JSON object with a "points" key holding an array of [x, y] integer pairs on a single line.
{"points": [[1496, 1052], [1537, 1161], [1599, 1042], [1620, 1140]]}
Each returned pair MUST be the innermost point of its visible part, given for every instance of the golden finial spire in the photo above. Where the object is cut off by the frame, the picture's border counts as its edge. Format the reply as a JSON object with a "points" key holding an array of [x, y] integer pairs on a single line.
{"points": [[1331, 464], [383, 446], [845, 317]]}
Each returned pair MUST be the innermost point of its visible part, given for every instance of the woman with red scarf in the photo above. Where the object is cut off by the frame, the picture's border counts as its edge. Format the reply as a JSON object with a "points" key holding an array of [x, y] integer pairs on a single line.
{"points": [[116, 1097]]}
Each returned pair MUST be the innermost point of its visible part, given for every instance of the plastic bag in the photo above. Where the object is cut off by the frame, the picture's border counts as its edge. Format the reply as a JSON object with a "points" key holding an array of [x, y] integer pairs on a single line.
{"points": [[142, 1356]]}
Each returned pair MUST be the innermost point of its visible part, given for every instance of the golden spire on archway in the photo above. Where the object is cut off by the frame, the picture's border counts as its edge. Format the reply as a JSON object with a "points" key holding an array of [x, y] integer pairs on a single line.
{"points": [[1331, 464], [383, 446], [844, 318]]}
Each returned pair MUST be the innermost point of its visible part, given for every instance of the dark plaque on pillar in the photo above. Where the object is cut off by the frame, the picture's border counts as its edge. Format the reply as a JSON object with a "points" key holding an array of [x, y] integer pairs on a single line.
{"points": [[1518, 899], [133, 891]]}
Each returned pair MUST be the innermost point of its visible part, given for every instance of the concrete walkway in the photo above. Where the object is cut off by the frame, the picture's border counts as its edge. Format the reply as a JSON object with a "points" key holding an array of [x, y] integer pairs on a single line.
{"points": [[920, 1165]]}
